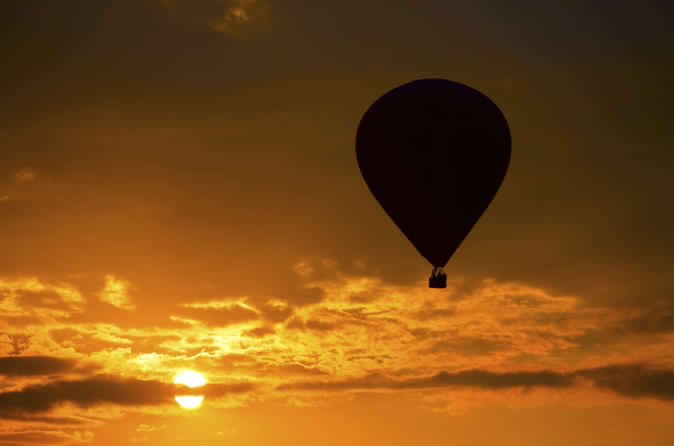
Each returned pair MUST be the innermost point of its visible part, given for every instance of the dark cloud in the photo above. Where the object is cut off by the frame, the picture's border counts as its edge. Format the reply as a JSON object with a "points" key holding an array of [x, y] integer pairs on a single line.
{"points": [[59, 421], [103, 389], [22, 438], [19, 343], [85, 393], [650, 327], [469, 378], [656, 321], [430, 313], [633, 380], [629, 380], [222, 389], [259, 332], [276, 314], [491, 380], [35, 365], [467, 346]]}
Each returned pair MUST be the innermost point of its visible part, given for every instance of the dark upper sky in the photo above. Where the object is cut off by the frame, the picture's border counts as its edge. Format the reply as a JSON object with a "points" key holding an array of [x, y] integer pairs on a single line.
{"points": [[143, 107]]}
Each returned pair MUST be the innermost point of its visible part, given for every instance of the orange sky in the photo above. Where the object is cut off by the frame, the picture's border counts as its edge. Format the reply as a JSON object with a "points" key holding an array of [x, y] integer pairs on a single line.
{"points": [[179, 191]]}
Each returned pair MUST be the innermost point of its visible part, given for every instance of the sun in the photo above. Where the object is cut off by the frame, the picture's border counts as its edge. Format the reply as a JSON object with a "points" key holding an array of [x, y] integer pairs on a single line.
{"points": [[189, 401], [192, 380]]}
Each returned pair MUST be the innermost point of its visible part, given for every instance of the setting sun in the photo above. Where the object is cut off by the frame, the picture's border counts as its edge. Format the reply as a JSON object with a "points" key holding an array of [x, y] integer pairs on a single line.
{"points": [[190, 379]]}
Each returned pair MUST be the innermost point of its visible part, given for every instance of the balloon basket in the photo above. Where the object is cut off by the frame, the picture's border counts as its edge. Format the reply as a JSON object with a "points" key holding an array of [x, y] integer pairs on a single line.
{"points": [[437, 280]]}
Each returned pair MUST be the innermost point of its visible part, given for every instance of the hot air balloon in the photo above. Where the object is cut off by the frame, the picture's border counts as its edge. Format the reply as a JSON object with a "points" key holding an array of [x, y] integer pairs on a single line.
{"points": [[433, 152]]}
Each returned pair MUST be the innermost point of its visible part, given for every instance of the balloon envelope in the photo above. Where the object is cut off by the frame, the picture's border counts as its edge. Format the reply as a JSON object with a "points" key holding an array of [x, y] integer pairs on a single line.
{"points": [[433, 153]]}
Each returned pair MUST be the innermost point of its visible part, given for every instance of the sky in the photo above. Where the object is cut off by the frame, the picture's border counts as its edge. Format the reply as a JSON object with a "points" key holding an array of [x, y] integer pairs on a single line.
{"points": [[179, 191]]}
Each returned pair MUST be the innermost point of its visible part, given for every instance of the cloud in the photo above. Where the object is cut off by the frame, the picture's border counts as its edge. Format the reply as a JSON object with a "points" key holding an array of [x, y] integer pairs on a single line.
{"points": [[149, 428], [35, 365], [86, 393], [25, 437], [22, 438], [657, 320], [99, 337], [31, 291], [259, 332], [49, 419], [19, 342], [469, 378], [276, 310], [303, 269], [311, 324], [219, 390], [633, 380], [469, 338], [468, 346], [220, 313], [116, 294], [628, 380], [103, 389]]}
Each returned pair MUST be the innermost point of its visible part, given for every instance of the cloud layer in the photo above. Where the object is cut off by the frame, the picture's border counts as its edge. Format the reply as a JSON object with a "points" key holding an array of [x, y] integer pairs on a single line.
{"points": [[103, 390], [627, 380], [73, 346]]}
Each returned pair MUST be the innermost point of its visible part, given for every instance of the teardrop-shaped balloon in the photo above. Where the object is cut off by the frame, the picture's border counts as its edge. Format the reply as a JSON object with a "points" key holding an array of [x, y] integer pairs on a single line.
{"points": [[433, 153]]}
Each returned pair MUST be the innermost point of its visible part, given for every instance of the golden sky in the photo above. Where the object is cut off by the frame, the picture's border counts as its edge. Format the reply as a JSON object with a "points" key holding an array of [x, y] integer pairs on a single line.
{"points": [[179, 192]]}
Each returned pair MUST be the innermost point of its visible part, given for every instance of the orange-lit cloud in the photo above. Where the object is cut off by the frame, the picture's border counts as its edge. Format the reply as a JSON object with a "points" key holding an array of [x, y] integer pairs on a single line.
{"points": [[116, 294], [456, 348]]}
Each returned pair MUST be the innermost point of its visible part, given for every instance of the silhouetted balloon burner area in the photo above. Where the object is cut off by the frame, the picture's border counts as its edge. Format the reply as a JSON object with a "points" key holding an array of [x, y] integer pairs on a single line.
{"points": [[433, 152]]}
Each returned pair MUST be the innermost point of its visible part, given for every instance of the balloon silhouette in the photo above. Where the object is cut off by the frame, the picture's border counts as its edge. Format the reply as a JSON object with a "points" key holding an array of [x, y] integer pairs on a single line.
{"points": [[433, 153]]}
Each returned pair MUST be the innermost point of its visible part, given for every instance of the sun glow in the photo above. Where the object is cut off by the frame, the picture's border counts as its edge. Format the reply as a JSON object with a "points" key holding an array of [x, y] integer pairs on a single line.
{"points": [[192, 380]]}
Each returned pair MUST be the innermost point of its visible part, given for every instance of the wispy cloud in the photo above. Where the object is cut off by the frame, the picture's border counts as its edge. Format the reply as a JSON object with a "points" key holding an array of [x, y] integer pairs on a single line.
{"points": [[116, 292], [29, 299]]}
